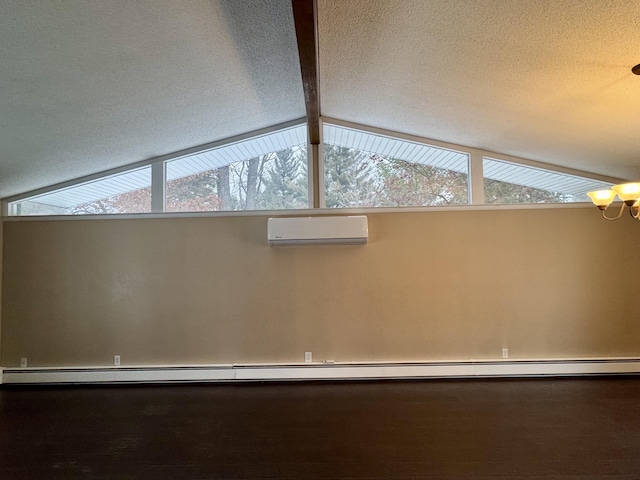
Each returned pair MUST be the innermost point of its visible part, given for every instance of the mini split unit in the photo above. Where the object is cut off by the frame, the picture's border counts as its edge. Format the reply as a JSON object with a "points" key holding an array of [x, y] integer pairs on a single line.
{"points": [[353, 230]]}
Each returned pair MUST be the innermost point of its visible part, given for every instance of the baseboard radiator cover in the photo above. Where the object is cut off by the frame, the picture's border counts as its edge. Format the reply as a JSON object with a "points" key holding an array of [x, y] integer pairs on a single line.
{"points": [[319, 371]]}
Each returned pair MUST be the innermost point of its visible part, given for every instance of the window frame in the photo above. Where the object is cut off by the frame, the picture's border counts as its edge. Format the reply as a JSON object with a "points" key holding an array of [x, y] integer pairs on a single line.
{"points": [[315, 157], [544, 175], [411, 143]]}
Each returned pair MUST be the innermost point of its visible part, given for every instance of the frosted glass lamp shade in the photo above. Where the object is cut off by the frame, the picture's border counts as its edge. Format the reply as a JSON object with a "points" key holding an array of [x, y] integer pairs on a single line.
{"points": [[628, 191], [602, 198]]}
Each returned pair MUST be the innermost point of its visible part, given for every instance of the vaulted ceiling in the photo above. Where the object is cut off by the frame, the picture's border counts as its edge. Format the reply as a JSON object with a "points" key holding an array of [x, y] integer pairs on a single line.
{"points": [[544, 80], [89, 85]]}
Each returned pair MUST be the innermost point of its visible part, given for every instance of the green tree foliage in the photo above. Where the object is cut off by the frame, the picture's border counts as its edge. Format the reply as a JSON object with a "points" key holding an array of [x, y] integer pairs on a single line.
{"points": [[349, 178], [279, 180], [273, 181], [286, 184], [358, 179]]}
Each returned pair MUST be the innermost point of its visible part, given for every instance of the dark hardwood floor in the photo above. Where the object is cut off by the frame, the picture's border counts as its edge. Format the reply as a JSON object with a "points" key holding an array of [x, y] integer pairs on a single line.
{"points": [[567, 429]]}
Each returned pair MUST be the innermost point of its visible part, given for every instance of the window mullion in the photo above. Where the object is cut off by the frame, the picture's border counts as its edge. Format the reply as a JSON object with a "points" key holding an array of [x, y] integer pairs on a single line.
{"points": [[319, 192], [476, 178], [158, 187]]}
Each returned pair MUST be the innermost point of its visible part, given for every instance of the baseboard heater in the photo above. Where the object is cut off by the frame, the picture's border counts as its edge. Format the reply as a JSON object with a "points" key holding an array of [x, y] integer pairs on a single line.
{"points": [[320, 371]]}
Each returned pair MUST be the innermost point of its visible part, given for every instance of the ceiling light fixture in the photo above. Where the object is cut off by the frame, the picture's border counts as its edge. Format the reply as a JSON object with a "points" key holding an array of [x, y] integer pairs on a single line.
{"points": [[629, 193]]}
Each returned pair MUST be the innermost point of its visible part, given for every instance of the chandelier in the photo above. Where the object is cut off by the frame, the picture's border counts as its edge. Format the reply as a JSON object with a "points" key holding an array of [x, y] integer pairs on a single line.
{"points": [[629, 193]]}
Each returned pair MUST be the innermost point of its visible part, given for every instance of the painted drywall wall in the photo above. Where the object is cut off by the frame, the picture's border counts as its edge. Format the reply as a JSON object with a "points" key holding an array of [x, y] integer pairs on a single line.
{"points": [[1, 251], [547, 283]]}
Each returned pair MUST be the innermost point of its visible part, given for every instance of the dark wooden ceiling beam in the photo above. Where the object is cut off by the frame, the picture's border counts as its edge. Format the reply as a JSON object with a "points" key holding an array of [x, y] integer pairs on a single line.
{"points": [[305, 16]]}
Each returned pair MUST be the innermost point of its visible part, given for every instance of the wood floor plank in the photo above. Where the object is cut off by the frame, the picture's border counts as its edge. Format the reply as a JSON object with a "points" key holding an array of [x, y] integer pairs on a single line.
{"points": [[570, 429]]}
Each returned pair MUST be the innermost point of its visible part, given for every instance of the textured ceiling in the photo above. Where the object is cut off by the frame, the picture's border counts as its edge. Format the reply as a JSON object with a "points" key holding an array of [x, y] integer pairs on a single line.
{"points": [[544, 80], [88, 85]]}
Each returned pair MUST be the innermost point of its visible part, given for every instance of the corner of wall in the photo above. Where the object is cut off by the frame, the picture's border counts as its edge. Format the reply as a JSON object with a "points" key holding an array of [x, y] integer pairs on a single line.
{"points": [[1, 250]]}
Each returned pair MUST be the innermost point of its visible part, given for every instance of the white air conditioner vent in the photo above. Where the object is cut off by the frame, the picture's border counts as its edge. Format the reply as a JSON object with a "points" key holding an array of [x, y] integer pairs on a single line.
{"points": [[340, 230]]}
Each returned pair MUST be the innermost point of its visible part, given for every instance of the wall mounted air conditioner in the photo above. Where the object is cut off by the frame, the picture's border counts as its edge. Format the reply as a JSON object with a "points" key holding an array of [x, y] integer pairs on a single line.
{"points": [[353, 230]]}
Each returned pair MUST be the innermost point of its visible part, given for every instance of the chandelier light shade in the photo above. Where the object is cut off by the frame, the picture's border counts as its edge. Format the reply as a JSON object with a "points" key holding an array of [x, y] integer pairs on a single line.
{"points": [[629, 193], [602, 198]]}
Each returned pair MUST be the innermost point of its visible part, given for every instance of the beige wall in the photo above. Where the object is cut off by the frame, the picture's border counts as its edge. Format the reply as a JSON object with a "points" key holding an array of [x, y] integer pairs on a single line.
{"points": [[545, 283], [1, 250]]}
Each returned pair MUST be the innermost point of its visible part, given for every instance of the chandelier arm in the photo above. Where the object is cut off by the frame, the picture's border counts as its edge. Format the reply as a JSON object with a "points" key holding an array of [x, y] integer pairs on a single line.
{"points": [[617, 216]]}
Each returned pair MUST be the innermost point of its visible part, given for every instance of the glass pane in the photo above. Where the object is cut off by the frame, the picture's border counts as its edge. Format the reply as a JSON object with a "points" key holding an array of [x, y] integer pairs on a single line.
{"points": [[263, 173], [128, 192], [367, 170], [506, 182]]}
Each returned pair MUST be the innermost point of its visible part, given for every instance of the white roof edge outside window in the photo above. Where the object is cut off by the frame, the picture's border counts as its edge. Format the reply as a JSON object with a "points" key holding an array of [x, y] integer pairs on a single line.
{"points": [[539, 178], [237, 152], [396, 148], [95, 189]]}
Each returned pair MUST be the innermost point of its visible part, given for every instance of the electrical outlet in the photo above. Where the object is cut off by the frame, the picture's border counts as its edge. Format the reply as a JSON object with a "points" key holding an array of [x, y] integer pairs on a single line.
{"points": [[505, 353], [23, 362], [116, 360], [307, 357]]}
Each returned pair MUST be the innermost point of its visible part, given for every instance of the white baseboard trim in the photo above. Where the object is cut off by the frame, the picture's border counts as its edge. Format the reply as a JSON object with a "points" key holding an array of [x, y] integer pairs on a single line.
{"points": [[319, 371]]}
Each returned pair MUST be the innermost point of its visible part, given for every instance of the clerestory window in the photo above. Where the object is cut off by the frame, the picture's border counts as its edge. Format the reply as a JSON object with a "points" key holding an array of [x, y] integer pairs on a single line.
{"points": [[267, 172], [128, 192], [363, 169], [506, 182]]}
